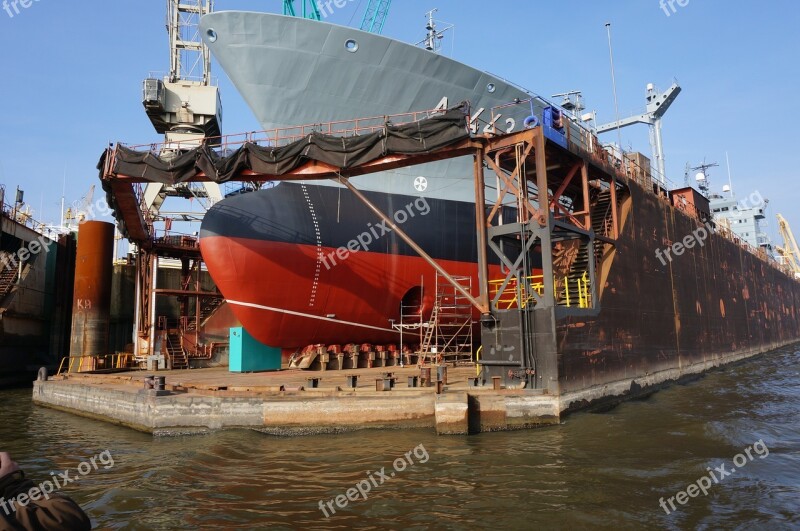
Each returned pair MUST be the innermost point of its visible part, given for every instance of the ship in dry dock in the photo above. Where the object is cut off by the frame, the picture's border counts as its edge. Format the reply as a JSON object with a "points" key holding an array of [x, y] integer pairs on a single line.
{"points": [[567, 293], [617, 309]]}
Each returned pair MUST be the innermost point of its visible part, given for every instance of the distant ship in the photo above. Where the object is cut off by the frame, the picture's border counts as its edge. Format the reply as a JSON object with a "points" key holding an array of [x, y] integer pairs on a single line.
{"points": [[267, 250], [35, 294]]}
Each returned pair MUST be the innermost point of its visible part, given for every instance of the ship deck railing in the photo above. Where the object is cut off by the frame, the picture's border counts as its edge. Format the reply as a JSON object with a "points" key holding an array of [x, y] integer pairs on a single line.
{"points": [[13, 213], [283, 136]]}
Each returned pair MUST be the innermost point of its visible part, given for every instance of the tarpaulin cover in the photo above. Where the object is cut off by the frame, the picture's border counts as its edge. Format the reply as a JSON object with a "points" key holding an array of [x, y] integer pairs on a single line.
{"points": [[341, 152]]}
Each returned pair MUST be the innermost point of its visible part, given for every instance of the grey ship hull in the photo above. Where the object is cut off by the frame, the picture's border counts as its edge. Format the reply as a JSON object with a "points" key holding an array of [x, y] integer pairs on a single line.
{"points": [[293, 71]]}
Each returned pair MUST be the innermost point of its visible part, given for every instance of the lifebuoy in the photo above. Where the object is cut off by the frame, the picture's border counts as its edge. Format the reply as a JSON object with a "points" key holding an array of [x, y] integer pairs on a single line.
{"points": [[531, 122]]}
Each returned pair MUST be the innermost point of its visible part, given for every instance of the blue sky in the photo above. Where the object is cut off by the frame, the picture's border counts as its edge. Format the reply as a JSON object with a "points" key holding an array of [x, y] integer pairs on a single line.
{"points": [[72, 73]]}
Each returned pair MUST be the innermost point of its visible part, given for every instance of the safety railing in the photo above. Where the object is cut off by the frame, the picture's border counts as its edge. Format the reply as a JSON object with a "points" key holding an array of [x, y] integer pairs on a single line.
{"points": [[520, 295], [22, 217], [564, 292], [176, 239], [104, 362], [282, 136], [584, 300], [515, 294]]}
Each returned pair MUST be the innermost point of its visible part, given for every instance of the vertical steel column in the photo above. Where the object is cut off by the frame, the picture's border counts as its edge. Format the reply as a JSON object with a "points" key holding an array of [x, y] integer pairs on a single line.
{"points": [[137, 315], [586, 200], [480, 225], [614, 204], [153, 285], [544, 210], [198, 302]]}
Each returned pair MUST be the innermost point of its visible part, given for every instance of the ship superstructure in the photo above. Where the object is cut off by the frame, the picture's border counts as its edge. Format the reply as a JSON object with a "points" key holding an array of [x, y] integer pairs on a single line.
{"points": [[745, 217]]}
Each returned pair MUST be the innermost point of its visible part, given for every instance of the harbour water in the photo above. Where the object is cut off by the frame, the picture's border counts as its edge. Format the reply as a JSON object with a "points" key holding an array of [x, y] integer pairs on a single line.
{"points": [[599, 470]]}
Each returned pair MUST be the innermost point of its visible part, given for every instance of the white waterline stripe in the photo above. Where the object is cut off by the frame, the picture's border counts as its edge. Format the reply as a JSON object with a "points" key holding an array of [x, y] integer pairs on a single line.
{"points": [[309, 316]]}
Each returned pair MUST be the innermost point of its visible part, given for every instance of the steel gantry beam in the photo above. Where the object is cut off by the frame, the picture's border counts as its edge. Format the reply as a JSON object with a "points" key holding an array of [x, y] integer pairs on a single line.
{"points": [[551, 190]]}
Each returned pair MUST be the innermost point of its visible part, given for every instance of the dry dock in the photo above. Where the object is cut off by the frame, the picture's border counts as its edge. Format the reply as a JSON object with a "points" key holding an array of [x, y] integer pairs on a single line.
{"points": [[285, 403]]}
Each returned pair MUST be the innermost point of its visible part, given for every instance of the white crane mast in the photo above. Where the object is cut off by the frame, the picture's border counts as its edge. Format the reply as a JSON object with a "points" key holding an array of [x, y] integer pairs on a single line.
{"points": [[189, 56]]}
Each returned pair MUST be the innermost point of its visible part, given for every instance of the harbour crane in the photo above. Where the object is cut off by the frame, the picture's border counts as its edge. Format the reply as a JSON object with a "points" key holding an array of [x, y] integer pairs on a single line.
{"points": [[375, 16], [185, 104], [790, 251], [373, 21], [308, 9], [657, 105]]}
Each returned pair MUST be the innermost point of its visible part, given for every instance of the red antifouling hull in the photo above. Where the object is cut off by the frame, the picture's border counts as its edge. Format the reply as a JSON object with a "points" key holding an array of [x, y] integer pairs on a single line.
{"points": [[285, 296]]}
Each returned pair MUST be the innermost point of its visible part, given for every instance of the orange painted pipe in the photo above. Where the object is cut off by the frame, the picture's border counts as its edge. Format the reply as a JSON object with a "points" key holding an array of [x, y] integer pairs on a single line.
{"points": [[91, 308]]}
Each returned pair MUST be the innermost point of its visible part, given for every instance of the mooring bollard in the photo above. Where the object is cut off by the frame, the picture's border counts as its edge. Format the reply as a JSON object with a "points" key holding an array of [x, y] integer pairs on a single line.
{"points": [[425, 376], [496, 384], [441, 374], [149, 382], [313, 382], [383, 384], [413, 381], [160, 383], [352, 380]]}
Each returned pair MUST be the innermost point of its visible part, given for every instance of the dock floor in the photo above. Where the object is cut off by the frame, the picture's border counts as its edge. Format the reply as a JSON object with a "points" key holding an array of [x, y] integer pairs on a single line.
{"points": [[285, 402]]}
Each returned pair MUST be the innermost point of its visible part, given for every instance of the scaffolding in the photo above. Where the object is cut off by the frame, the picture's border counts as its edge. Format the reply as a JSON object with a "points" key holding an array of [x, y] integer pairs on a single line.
{"points": [[448, 336]]}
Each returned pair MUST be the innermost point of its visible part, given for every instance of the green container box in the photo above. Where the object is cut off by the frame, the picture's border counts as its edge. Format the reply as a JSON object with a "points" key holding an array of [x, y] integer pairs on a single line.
{"points": [[249, 355]]}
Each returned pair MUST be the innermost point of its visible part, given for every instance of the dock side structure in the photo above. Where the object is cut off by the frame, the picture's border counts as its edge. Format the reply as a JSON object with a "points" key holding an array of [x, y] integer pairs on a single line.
{"points": [[584, 312]]}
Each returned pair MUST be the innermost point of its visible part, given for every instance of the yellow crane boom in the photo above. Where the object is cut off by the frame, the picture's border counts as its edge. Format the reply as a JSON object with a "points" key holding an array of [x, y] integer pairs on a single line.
{"points": [[790, 251]]}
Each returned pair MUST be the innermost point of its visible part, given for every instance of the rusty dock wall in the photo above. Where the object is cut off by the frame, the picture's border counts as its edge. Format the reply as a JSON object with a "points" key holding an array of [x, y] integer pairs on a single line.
{"points": [[660, 319]]}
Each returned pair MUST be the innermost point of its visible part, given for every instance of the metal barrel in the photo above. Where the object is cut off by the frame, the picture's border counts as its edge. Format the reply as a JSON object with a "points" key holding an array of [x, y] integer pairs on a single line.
{"points": [[92, 295]]}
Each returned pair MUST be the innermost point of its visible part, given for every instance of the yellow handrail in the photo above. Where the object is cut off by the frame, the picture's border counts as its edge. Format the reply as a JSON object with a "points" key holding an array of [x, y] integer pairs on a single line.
{"points": [[520, 295], [517, 294], [119, 360]]}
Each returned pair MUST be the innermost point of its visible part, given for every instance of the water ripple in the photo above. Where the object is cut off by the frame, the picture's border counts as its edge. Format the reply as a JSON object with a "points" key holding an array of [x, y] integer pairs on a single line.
{"points": [[595, 470]]}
